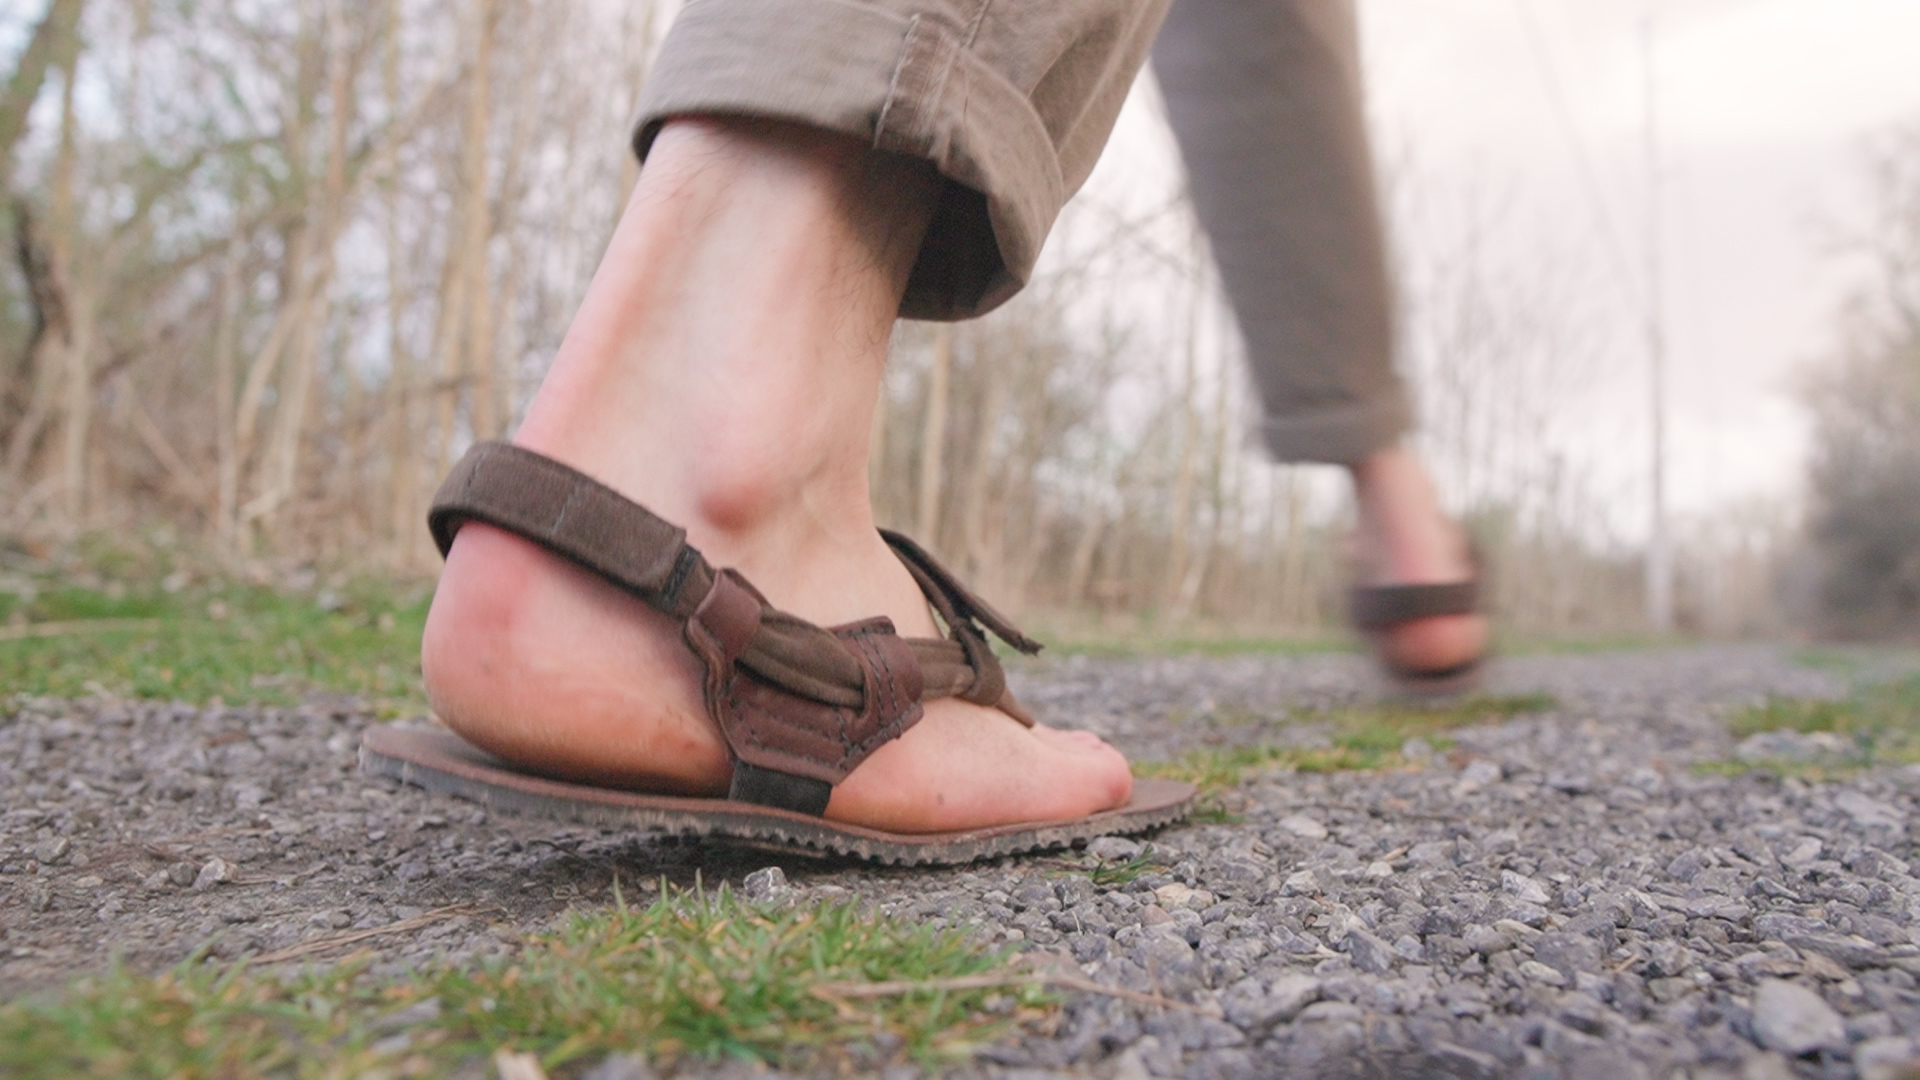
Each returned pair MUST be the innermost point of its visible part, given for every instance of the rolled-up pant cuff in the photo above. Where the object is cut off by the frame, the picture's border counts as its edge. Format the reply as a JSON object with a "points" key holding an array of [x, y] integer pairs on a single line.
{"points": [[1340, 434], [947, 82]]}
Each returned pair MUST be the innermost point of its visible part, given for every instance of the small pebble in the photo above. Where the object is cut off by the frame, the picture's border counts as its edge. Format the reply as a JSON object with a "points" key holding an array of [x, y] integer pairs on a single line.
{"points": [[215, 871], [1794, 1020], [766, 885], [1303, 826]]}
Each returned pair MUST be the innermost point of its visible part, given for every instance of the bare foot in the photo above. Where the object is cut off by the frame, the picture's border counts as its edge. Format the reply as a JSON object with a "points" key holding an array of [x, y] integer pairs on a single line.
{"points": [[1407, 539], [722, 371]]}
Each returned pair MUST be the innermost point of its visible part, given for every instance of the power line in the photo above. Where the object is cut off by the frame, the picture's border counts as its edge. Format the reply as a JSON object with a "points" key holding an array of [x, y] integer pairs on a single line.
{"points": [[1577, 149], [1659, 564], [1659, 553]]}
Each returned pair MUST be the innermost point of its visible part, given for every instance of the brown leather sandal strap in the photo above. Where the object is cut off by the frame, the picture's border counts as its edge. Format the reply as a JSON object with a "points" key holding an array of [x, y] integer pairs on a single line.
{"points": [[955, 601], [573, 516], [817, 701]]}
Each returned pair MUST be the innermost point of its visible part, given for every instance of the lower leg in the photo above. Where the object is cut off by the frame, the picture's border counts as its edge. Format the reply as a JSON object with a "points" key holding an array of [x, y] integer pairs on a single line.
{"points": [[722, 371], [1406, 538], [735, 332]]}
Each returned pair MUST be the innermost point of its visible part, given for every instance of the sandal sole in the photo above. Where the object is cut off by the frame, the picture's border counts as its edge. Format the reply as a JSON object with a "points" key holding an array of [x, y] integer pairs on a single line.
{"points": [[440, 761], [1436, 687]]}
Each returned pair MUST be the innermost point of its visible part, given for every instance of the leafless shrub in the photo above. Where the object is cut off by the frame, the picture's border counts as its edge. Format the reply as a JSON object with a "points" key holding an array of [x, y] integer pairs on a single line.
{"points": [[279, 263], [1863, 525]]}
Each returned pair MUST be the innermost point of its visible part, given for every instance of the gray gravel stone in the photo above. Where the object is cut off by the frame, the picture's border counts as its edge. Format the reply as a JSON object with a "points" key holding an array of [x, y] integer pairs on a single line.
{"points": [[1794, 1020], [766, 885], [215, 871], [621, 1067], [1887, 1057], [1536, 971], [1369, 953], [1168, 961], [1303, 826]]}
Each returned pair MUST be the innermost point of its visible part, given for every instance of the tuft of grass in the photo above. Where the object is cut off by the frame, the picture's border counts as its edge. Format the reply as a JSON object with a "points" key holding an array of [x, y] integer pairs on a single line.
{"points": [[711, 976], [1804, 715], [238, 643], [1839, 661], [1880, 722], [1536, 645], [1357, 739], [692, 975], [1121, 874], [200, 1020]]}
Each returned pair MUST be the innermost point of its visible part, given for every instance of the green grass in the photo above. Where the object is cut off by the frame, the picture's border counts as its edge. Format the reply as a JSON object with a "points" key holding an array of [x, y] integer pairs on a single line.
{"points": [[1369, 738], [1805, 715], [1128, 637], [693, 975], [1839, 661], [238, 643], [1880, 721], [1534, 645], [1119, 875]]}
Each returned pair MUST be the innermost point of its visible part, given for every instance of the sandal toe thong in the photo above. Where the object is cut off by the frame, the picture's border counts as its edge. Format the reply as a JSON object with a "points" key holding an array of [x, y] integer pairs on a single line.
{"points": [[800, 705]]}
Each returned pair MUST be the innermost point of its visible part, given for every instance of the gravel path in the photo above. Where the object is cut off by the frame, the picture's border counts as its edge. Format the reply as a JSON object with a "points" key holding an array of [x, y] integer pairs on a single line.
{"points": [[1558, 896]]}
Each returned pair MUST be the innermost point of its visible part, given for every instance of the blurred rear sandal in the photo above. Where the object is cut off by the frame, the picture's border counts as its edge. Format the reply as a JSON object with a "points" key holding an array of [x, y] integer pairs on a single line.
{"points": [[1377, 610], [800, 706]]}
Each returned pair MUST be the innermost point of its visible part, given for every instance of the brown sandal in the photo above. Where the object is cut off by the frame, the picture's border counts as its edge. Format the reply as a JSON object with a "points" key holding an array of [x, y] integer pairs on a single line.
{"points": [[800, 706], [1376, 610]]}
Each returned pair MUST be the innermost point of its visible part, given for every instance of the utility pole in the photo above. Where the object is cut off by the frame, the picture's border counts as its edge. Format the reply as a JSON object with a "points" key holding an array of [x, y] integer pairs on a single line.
{"points": [[1659, 585]]}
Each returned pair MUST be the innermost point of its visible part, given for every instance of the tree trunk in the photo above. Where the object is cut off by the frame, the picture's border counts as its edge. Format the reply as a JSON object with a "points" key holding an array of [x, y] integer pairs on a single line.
{"points": [[280, 469], [1293, 602], [1182, 523], [38, 375], [983, 553], [933, 437], [77, 411], [55, 44], [226, 342], [477, 225], [77, 383], [403, 450], [1080, 565]]}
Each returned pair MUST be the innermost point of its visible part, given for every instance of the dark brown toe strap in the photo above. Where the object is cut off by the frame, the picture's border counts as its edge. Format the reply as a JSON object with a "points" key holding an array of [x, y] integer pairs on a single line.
{"points": [[800, 705]]}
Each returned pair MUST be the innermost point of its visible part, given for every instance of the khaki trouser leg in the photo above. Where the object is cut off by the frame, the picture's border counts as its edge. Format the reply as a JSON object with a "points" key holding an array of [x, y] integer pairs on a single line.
{"points": [[1012, 102], [1265, 99]]}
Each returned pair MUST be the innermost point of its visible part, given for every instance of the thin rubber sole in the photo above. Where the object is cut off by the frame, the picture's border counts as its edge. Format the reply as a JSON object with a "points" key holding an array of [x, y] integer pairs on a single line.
{"points": [[1433, 688], [440, 761]]}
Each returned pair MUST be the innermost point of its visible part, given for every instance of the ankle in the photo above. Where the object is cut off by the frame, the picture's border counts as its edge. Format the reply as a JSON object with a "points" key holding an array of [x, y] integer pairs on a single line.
{"points": [[1405, 534], [724, 365]]}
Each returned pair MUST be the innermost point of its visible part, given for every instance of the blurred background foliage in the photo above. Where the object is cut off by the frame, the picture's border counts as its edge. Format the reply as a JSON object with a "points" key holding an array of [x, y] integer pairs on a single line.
{"points": [[274, 265]]}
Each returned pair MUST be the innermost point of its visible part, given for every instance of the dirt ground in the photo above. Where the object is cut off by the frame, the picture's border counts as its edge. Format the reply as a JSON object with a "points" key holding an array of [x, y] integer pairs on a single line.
{"points": [[1561, 888]]}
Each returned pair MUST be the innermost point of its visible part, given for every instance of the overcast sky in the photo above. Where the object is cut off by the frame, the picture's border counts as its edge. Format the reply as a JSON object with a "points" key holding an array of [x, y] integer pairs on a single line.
{"points": [[1763, 109]]}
